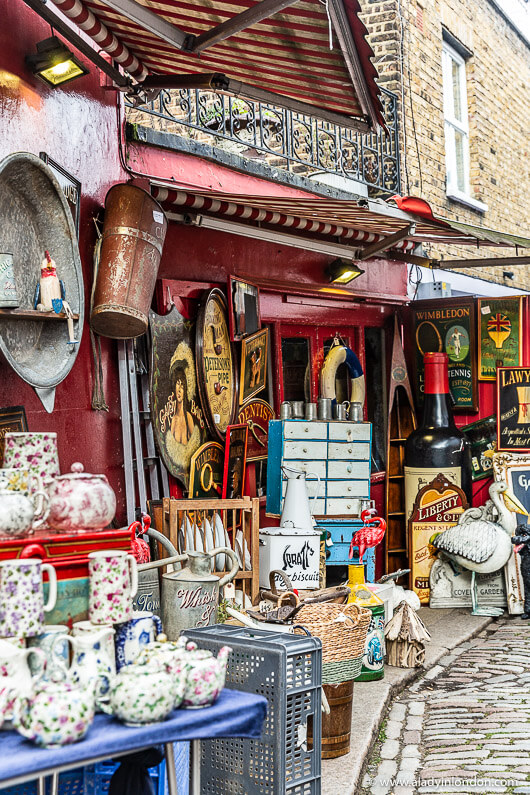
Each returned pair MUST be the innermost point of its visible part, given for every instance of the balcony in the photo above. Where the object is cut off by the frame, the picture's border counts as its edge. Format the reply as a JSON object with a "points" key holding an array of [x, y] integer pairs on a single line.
{"points": [[280, 138]]}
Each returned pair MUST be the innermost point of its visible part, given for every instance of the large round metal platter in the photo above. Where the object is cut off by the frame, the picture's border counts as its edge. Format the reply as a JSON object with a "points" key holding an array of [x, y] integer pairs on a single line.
{"points": [[34, 217]]}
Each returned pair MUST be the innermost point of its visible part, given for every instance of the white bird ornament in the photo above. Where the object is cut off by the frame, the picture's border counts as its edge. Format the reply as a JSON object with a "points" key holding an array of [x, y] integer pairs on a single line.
{"points": [[479, 544]]}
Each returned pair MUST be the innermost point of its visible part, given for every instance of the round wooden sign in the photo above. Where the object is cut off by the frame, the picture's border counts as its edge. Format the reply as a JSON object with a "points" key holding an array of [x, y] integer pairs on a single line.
{"points": [[215, 362]]}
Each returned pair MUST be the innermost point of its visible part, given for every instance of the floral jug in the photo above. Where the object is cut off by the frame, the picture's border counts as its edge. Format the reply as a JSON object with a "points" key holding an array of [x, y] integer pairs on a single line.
{"points": [[91, 662], [15, 674]]}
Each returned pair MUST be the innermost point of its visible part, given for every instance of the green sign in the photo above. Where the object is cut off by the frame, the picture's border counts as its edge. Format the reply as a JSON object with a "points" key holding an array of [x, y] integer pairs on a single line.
{"points": [[448, 326], [500, 341]]}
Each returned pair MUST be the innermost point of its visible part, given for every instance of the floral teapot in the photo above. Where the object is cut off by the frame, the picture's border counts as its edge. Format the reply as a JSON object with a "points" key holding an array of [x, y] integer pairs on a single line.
{"points": [[91, 662], [20, 514], [57, 712], [205, 679], [141, 694], [80, 501], [176, 658]]}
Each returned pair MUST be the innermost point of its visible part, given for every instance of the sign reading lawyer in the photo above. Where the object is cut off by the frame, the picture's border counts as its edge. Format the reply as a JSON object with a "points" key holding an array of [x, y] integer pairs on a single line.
{"points": [[513, 408]]}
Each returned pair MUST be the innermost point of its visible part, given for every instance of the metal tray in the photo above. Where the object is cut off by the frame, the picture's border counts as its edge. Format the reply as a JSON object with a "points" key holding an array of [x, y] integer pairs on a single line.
{"points": [[35, 216]]}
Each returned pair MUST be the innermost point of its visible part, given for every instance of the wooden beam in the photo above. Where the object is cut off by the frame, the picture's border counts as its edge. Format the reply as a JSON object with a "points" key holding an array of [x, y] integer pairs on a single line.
{"points": [[150, 21], [489, 262], [237, 23]]}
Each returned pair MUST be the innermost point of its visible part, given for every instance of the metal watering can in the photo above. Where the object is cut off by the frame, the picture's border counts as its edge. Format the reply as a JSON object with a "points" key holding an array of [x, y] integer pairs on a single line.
{"points": [[190, 596], [148, 593]]}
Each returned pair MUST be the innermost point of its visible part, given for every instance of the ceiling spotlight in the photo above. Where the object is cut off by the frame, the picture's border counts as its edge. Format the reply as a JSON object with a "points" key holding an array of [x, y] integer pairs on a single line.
{"points": [[54, 63], [341, 272]]}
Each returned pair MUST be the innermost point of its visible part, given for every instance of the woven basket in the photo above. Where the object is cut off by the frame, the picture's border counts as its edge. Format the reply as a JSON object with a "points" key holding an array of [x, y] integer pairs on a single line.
{"points": [[343, 639]]}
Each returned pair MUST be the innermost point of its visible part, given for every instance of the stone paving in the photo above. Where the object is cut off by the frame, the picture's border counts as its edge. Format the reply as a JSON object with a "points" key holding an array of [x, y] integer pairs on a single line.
{"points": [[464, 727]]}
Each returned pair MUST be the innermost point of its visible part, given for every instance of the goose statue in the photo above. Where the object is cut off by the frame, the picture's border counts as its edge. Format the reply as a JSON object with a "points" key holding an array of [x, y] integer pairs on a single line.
{"points": [[480, 543]]}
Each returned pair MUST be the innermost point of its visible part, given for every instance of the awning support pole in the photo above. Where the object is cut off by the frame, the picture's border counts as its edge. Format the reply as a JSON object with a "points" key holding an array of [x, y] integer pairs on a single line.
{"points": [[489, 262], [149, 21], [236, 24], [384, 245]]}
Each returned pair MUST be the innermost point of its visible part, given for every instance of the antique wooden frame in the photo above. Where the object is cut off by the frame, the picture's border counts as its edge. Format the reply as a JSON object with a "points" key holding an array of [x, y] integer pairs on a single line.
{"points": [[236, 435], [12, 420], [199, 488], [502, 413], [478, 448], [486, 303], [257, 445], [261, 340], [237, 335], [212, 399], [466, 303]]}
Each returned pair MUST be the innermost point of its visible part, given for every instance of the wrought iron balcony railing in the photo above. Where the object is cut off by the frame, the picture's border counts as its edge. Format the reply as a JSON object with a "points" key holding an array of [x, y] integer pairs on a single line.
{"points": [[279, 137]]}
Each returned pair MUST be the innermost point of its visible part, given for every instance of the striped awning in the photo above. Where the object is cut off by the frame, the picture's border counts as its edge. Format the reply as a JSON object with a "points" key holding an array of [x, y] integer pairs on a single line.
{"points": [[310, 51], [326, 219]]}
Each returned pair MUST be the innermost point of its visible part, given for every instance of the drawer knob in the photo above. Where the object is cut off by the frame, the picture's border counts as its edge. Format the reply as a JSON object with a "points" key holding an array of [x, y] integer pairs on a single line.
{"points": [[304, 449], [349, 431], [306, 429], [350, 449], [349, 488], [348, 469], [348, 506]]}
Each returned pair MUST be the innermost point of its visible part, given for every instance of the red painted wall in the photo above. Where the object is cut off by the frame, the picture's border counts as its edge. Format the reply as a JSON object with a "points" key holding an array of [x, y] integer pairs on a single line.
{"points": [[78, 127]]}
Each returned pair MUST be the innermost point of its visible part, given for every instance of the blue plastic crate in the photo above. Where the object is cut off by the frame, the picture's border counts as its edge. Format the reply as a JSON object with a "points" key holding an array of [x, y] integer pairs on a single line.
{"points": [[97, 778], [70, 783]]}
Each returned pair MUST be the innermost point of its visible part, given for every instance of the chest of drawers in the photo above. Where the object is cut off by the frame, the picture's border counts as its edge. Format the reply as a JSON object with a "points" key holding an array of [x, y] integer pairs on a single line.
{"points": [[338, 453]]}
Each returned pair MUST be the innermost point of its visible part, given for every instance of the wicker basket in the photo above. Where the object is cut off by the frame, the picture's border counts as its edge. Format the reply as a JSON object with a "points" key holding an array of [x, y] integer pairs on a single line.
{"points": [[342, 630]]}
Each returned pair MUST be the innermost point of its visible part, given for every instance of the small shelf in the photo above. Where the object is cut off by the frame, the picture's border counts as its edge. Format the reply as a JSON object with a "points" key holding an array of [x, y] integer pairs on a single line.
{"points": [[396, 513], [396, 477], [395, 551], [398, 441], [33, 314]]}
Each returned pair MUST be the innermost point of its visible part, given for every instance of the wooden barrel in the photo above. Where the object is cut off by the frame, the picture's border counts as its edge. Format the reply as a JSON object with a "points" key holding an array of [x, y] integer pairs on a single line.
{"points": [[131, 247], [336, 727]]}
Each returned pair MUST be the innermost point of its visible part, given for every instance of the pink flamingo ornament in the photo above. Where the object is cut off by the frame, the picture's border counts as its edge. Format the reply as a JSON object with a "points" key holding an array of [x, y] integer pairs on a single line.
{"points": [[370, 535]]}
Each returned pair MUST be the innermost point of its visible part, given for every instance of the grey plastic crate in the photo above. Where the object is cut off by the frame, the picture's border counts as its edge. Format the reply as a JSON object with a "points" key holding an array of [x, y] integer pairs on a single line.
{"points": [[287, 670]]}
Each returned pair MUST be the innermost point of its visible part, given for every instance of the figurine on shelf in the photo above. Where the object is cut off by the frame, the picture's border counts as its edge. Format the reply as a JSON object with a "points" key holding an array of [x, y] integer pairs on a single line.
{"points": [[50, 292], [370, 535], [521, 541], [50, 295]]}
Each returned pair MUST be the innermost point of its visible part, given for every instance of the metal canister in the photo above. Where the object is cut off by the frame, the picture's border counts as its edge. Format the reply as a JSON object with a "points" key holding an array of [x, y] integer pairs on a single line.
{"points": [[148, 594], [131, 246], [8, 288]]}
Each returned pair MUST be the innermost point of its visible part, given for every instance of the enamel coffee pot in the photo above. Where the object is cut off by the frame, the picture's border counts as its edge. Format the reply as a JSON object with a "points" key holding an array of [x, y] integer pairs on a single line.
{"points": [[190, 597], [296, 508]]}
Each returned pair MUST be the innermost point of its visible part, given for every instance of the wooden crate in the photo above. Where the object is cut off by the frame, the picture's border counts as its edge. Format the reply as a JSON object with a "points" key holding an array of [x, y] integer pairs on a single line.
{"points": [[235, 515]]}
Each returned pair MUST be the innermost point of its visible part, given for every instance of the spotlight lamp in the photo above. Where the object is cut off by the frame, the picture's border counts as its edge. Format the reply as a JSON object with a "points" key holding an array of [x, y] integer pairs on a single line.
{"points": [[341, 272], [54, 64]]}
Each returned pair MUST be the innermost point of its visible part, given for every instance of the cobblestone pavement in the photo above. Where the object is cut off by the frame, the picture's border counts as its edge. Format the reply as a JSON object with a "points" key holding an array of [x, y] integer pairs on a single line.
{"points": [[464, 727]]}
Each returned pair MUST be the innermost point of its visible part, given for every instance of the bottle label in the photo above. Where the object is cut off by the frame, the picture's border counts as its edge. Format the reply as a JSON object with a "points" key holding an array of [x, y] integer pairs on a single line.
{"points": [[432, 504]]}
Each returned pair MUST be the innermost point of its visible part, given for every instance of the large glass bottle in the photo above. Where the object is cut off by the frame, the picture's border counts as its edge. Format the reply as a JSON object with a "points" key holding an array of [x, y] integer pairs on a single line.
{"points": [[437, 445]]}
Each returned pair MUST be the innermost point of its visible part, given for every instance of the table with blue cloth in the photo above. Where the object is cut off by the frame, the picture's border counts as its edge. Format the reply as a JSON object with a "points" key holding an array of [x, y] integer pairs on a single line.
{"points": [[234, 714]]}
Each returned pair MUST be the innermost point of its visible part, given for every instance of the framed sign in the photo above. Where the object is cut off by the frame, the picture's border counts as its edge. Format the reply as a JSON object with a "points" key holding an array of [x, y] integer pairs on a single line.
{"points": [[253, 365], [206, 472], [71, 187], [482, 436], [216, 372], [448, 326], [235, 461], [243, 308], [500, 335], [257, 414], [178, 420], [514, 469], [12, 420], [436, 508], [513, 409]]}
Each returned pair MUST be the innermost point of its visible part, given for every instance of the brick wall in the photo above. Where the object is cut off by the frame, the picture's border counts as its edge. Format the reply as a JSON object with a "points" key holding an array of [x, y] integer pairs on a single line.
{"points": [[498, 86]]}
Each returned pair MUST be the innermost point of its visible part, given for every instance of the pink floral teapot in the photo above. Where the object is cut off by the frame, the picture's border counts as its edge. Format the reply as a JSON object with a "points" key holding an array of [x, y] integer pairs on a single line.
{"points": [[80, 501]]}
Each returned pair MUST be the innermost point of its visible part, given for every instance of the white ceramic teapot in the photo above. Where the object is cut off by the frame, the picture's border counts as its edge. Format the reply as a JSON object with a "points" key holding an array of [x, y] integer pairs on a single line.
{"points": [[57, 712], [91, 662], [141, 694], [19, 514], [15, 675], [81, 501]]}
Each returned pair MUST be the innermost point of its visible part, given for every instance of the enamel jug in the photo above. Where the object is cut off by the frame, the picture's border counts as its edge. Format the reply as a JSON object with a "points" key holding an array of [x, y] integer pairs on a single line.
{"points": [[296, 509], [190, 597]]}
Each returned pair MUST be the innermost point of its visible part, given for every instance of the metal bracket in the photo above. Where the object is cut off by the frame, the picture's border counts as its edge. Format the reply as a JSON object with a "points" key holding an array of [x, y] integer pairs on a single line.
{"points": [[386, 243]]}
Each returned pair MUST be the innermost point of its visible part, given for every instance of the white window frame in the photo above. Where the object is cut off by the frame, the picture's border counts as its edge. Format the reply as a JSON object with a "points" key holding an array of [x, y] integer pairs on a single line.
{"points": [[452, 125]]}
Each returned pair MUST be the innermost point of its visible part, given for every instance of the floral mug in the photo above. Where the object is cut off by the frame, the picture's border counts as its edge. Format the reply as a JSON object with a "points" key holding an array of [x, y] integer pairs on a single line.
{"points": [[113, 582], [22, 605]]}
